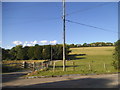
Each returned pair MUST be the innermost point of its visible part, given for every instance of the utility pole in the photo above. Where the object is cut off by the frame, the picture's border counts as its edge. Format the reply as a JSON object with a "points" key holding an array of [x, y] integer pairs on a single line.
{"points": [[64, 62]]}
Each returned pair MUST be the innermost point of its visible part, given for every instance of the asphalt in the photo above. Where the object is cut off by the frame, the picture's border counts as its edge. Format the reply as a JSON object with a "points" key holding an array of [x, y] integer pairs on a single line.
{"points": [[14, 80]]}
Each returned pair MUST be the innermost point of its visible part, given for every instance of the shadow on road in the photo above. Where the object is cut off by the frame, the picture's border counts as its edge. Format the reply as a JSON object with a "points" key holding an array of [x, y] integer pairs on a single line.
{"points": [[8, 77], [77, 83]]}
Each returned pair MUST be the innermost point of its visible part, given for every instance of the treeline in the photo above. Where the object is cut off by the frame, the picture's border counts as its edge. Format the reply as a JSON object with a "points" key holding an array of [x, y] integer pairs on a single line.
{"points": [[37, 52], [96, 44]]}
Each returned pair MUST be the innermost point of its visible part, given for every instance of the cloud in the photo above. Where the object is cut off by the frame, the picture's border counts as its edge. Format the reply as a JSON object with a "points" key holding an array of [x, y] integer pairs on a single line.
{"points": [[29, 45], [44, 42], [8, 47], [26, 42], [17, 42], [53, 42], [35, 42], [32, 43]]}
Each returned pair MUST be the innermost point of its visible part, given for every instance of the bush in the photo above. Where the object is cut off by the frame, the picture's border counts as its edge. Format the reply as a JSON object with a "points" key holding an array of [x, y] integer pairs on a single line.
{"points": [[116, 61]]}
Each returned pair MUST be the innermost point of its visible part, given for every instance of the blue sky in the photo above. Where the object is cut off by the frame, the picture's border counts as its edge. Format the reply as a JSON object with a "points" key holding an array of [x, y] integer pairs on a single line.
{"points": [[39, 22]]}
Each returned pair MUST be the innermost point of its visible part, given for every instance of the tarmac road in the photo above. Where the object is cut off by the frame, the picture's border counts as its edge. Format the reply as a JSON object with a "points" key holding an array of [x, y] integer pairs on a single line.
{"points": [[86, 81]]}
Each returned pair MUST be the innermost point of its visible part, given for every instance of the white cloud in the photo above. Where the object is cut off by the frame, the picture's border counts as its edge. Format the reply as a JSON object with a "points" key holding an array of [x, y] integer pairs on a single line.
{"points": [[26, 42], [17, 42], [32, 43], [44, 42], [53, 42], [8, 47], [35, 42], [29, 44]]}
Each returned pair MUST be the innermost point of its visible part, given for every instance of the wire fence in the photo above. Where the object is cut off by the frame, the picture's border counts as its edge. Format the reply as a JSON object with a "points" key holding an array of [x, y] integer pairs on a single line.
{"points": [[82, 67]]}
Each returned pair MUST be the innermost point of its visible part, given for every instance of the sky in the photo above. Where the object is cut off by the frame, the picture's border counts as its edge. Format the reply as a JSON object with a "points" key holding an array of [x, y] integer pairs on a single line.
{"points": [[30, 23]]}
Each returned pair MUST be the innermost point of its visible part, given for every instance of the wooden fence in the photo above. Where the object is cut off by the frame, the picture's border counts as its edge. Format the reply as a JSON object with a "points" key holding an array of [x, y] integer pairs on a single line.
{"points": [[31, 65]]}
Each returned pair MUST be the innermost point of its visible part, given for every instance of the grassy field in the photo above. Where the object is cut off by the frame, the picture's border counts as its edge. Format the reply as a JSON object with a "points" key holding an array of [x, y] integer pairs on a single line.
{"points": [[87, 60]]}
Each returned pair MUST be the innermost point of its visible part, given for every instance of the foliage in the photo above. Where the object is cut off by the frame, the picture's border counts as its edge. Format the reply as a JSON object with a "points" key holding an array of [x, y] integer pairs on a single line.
{"points": [[37, 52], [116, 61], [96, 44], [31, 53], [5, 54]]}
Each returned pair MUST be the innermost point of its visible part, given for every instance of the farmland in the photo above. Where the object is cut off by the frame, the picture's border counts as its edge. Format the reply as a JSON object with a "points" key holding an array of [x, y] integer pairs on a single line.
{"points": [[86, 60]]}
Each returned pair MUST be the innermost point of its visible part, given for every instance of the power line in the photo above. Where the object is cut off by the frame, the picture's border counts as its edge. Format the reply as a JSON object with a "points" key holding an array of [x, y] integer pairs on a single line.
{"points": [[91, 26], [86, 9]]}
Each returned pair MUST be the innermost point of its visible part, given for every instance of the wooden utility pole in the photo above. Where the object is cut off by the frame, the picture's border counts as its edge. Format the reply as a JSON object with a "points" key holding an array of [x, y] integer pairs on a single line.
{"points": [[64, 62]]}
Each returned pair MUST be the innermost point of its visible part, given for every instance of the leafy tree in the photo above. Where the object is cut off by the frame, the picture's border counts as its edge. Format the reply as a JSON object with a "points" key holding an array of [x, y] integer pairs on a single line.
{"points": [[13, 53], [85, 44], [72, 45], [38, 52], [20, 52], [116, 62], [35, 52], [25, 52], [57, 52], [31, 53], [5, 54], [46, 52]]}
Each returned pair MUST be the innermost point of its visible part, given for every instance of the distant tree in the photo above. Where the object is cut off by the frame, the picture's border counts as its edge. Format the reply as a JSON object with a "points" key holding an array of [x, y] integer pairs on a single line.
{"points": [[58, 52], [5, 54], [116, 62], [46, 52], [38, 52], [31, 53], [25, 49], [109, 44], [71, 45], [20, 52], [13, 54], [85, 45], [78, 45]]}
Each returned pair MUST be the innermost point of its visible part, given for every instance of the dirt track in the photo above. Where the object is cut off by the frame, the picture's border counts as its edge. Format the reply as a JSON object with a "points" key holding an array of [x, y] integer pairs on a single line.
{"points": [[90, 81]]}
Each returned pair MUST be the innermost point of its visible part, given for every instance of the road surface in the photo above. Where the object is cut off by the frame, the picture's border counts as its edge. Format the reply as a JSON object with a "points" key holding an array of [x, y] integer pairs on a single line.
{"points": [[13, 80]]}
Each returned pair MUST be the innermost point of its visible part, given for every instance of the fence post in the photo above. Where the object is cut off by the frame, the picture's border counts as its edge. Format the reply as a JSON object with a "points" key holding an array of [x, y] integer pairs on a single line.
{"points": [[42, 65], [90, 66], [73, 66], [33, 66], [54, 66], [105, 66], [51, 62], [47, 65], [23, 64]]}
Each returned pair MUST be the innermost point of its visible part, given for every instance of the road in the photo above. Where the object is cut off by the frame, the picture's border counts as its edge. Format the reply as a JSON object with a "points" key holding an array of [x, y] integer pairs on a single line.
{"points": [[88, 81]]}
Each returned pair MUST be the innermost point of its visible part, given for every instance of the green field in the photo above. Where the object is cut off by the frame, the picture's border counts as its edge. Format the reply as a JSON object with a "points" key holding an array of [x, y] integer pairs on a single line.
{"points": [[87, 60]]}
